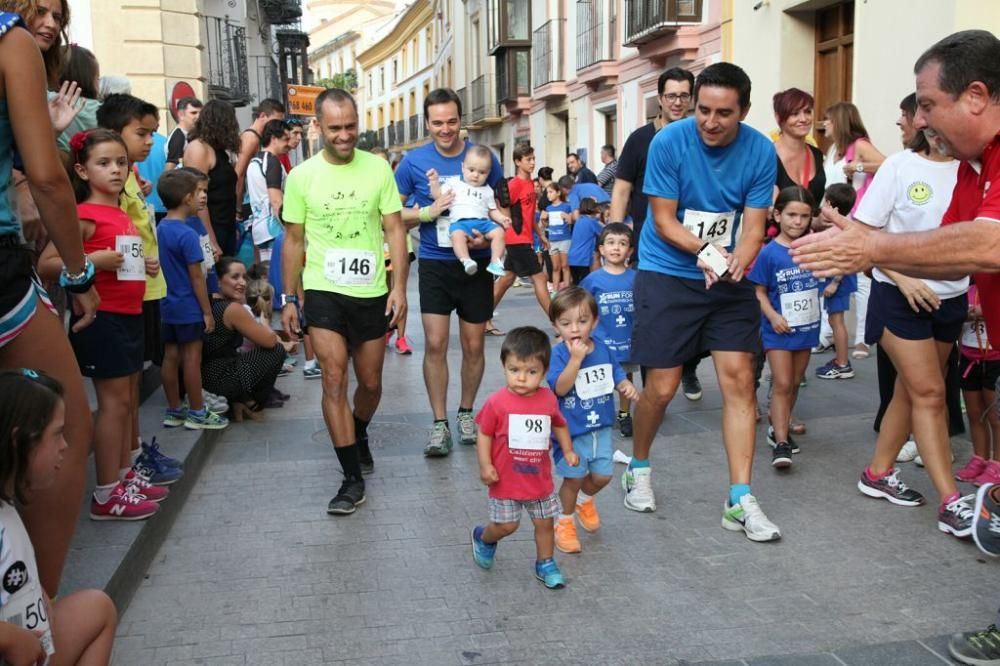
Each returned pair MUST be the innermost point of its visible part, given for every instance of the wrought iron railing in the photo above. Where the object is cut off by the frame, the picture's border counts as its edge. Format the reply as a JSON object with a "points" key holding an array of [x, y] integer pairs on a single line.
{"points": [[646, 20], [482, 100], [226, 48], [547, 52], [595, 30]]}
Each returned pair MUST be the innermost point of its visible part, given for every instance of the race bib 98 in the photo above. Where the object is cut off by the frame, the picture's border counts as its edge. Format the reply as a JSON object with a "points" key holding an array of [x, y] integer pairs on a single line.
{"points": [[350, 268], [595, 381], [529, 431], [800, 308]]}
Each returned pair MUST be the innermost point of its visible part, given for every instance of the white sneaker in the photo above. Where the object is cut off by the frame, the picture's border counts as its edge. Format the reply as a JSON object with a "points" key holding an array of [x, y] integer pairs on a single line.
{"points": [[908, 452], [470, 266], [920, 461], [749, 517], [638, 488]]}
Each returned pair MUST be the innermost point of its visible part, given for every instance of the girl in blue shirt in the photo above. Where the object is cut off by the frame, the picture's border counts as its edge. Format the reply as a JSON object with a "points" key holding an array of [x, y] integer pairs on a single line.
{"points": [[558, 221], [790, 316], [583, 247]]}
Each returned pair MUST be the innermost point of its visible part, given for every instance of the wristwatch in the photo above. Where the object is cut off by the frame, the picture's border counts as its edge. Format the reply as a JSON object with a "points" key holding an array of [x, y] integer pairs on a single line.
{"points": [[289, 298], [860, 168], [81, 282]]}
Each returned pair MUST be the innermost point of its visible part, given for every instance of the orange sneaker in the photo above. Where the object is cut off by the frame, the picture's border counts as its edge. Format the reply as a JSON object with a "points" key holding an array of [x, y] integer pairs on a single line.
{"points": [[566, 539], [589, 518]]}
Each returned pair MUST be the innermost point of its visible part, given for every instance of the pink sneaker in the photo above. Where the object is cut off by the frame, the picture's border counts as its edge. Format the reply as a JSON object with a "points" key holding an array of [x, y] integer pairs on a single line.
{"points": [[991, 474], [972, 470], [403, 346], [124, 504], [144, 487]]}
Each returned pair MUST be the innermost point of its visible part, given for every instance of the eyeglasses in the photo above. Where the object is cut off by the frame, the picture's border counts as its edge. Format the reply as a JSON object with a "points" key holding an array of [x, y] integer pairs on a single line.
{"points": [[674, 97]]}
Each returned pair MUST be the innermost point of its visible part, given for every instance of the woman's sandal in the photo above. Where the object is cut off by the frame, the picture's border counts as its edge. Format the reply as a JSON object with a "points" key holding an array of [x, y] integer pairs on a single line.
{"points": [[493, 330], [239, 411]]}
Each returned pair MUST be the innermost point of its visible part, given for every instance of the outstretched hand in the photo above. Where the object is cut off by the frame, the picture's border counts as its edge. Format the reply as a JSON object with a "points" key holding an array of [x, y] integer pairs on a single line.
{"points": [[840, 250]]}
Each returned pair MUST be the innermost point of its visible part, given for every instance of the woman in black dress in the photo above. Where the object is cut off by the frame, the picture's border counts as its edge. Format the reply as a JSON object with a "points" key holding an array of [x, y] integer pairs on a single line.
{"points": [[214, 137]]}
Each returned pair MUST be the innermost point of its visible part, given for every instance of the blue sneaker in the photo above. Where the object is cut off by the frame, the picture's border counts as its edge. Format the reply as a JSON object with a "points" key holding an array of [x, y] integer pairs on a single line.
{"points": [[833, 371], [156, 472], [152, 451], [548, 572], [496, 268], [173, 418], [482, 553]]}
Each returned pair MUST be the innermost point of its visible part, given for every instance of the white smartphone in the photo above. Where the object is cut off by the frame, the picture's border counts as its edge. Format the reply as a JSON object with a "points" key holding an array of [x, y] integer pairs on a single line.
{"points": [[711, 256]]}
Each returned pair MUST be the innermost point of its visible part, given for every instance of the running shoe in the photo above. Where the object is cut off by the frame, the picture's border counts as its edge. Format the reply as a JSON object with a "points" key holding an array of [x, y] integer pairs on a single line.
{"points": [[174, 417], [388, 337], [143, 487], [972, 470], [590, 520], [889, 487], [625, 424], [215, 403], [347, 499], [792, 444], [496, 268], [207, 420], [483, 553], [470, 266], [566, 538], [990, 475], [986, 520], [548, 572], [151, 451], [748, 517], [124, 504], [908, 452], [312, 373], [403, 346], [441, 443], [976, 648], [286, 369], [157, 472], [638, 487], [833, 371], [781, 456], [466, 423], [955, 517], [861, 351], [691, 386], [822, 347]]}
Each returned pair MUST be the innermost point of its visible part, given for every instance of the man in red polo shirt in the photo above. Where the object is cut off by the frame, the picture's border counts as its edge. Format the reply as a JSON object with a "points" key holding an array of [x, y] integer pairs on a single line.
{"points": [[958, 93]]}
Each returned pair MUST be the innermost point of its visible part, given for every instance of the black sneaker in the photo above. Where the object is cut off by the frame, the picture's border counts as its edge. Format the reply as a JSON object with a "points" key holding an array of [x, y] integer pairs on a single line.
{"points": [[691, 386], [955, 518], [625, 424], [350, 495], [986, 523], [976, 647], [781, 457], [792, 444], [889, 487]]}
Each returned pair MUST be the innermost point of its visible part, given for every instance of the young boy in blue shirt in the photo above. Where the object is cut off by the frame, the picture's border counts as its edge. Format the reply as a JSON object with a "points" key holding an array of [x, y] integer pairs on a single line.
{"points": [[611, 286], [186, 312], [584, 376]]}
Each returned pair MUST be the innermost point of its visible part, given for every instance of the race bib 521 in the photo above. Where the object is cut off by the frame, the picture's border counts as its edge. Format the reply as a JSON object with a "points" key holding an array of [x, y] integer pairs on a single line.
{"points": [[800, 308]]}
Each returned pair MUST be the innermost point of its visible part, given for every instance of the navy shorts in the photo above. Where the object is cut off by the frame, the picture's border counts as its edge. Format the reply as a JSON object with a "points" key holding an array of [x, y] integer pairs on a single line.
{"points": [[677, 319], [181, 334], [111, 347], [522, 260], [446, 287], [888, 308]]}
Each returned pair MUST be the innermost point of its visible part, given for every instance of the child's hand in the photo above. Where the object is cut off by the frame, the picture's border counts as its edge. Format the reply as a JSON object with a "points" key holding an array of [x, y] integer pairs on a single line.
{"points": [[488, 475], [628, 390], [577, 349], [505, 222], [831, 290], [572, 458], [432, 175], [209, 322], [107, 260], [24, 648], [152, 266], [779, 325], [145, 185]]}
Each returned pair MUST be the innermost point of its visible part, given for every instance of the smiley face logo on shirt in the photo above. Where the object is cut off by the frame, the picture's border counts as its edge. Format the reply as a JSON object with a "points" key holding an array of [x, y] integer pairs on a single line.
{"points": [[919, 193]]}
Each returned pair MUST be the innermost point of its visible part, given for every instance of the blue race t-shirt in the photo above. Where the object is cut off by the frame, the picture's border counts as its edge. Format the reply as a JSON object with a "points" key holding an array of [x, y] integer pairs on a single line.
{"points": [[590, 404], [712, 186], [582, 191], [411, 179], [211, 279], [564, 230], [585, 234], [179, 248], [152, 167], [616, 309], [793, 292]]}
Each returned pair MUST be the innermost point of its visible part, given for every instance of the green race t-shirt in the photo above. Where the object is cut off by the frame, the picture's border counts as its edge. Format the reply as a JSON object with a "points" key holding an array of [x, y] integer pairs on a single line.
{"points": [[342, 207]]}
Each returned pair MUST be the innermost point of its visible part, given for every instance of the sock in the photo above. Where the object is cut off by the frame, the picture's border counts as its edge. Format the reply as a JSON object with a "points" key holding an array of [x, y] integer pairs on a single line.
{"points": [[310, 365], [465, 410], [583, 498], [566, 516], [622, 413], [350, 461], [945, 501], [872, 476], [135, 455], [979, 458], [364, 451], [638, 464], [123, 472], [444, 421], [103, 493], [737, 491], [200, 413]]}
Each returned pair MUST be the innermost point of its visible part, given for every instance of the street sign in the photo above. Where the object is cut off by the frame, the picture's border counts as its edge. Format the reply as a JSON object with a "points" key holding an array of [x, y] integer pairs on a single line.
{"points": [[302, 99]]}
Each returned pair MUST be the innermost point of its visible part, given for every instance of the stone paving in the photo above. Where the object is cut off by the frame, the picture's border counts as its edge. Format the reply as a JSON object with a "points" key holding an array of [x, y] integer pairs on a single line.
{"points": [[255, 572]]}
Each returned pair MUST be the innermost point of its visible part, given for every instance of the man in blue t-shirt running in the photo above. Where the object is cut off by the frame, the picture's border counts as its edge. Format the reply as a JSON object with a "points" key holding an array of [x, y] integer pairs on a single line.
{"points": [[444, 285], [710, 180]]}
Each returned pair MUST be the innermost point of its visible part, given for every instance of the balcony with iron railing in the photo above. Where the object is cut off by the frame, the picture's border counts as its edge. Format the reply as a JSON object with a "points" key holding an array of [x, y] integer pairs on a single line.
{"points": [[281, 12], [548, 68], [596, 24], [482, 101], [414, 123], [646, 20], [226, 52], [265, 79]]}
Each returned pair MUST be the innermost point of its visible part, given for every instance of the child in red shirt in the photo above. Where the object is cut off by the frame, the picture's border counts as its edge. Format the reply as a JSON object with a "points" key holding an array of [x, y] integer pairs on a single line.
{"points": [[515, 429]]}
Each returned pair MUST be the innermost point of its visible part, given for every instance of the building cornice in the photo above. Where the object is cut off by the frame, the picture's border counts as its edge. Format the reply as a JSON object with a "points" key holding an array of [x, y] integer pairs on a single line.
{"points": [[416, 17]]}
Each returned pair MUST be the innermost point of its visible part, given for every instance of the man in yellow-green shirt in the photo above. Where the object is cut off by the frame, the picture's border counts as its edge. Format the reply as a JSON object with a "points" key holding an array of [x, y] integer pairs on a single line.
{"points": [[339, 202]]}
